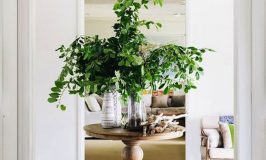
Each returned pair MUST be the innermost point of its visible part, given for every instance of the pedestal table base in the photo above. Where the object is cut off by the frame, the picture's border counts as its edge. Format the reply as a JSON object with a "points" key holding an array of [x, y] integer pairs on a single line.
{"points": [[132, 150]]}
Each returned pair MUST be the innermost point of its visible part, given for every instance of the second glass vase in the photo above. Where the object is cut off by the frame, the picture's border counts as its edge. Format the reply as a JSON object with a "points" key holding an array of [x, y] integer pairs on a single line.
{"points": [[136, 114]]}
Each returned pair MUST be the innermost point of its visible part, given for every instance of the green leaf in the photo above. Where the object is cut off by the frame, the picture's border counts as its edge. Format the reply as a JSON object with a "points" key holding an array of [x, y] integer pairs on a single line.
{"points": [[63, 107], [137, 5], [128, 3], [95, 88], [200, 69], [161, 86], [146, 6], [142, 70], [121, 63], [59, 84], [55, 89], [62, 56], [81, 91], [60, 48], [52, 100], [179, 86], [194, 87], [166, 90], [54, 95], [116, 6], [159, 25], [117, 85], [187, 88], [88, 89], [117, 74]]}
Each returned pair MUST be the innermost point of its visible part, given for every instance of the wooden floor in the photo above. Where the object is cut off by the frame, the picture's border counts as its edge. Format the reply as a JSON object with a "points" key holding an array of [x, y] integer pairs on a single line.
{"points": [[153, 150]]}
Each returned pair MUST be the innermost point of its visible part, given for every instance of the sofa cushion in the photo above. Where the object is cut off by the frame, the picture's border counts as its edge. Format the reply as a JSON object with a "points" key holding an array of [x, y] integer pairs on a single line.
{"points": [[147, 100], [222, 153], [159, 101], [92, 104], [177, 101], [210, 122], [98, 98], [226, 134], [215, 138]]}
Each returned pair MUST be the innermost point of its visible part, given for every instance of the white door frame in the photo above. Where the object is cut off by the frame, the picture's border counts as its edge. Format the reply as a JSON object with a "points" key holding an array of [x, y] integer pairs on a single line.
{"points": [[250, 79], [258, 80], [8, 75], [80, 101], [243, 83], [26, 44], [26, 129]]}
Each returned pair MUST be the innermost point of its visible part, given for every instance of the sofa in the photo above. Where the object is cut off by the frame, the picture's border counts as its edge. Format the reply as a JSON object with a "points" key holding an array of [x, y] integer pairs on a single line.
{"points": [[207, 151], [154, 105]]}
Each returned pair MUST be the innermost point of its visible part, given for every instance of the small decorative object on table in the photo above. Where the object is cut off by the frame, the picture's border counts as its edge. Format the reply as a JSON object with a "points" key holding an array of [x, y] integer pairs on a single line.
{"points": [[162, 124], [108, 115]]}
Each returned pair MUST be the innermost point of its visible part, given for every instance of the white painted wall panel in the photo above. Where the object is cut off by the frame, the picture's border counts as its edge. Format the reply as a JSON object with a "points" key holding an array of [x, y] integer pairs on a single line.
{"points": [[210, 24], [8, 87], [56, 131]]}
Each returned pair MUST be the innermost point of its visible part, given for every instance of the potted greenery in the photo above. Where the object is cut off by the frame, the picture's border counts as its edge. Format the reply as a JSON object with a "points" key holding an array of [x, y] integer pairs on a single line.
{"points": [[126, 61]]}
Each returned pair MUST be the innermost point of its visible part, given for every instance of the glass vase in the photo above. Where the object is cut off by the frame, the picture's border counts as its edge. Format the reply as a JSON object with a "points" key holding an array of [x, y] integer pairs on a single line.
{"points": [[136, 114]]}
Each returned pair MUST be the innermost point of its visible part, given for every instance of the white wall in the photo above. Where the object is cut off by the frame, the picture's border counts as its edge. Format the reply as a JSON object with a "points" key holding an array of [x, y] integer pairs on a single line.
{"points": [[173, 29], [210, 24], [54, 23]]}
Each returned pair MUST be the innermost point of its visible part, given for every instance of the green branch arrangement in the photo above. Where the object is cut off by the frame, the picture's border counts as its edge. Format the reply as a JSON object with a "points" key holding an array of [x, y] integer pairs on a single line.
{"points": [[126, 62]]}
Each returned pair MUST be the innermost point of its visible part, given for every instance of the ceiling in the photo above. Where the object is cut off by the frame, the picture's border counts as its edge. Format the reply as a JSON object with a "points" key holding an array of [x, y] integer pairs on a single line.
{"points": [[171, 10]]}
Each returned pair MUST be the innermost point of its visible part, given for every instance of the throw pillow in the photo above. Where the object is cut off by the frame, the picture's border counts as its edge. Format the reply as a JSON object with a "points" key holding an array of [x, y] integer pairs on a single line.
{"points": [[226, 134], [227, 119], [159, 101], [99, 99], [147, 100], [92, 104], [215, 139], [232, 131], [177, 101]]}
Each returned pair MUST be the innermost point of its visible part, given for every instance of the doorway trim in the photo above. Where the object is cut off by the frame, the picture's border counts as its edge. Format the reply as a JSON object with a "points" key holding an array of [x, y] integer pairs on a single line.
{"points": [[26, 111], [243, 82], [8, 75], [80, 102]]}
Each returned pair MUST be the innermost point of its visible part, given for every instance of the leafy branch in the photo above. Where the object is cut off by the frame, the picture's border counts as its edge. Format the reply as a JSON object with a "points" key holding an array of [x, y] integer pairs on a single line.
{"points": [[126, 62]]}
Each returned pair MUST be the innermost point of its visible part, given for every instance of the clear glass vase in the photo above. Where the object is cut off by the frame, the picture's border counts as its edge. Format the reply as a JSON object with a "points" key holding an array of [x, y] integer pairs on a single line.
{"points": [[136, 114]]}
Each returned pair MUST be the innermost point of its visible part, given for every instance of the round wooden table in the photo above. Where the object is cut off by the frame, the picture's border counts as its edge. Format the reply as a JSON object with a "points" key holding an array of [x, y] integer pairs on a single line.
{"points": [[132, 150]]}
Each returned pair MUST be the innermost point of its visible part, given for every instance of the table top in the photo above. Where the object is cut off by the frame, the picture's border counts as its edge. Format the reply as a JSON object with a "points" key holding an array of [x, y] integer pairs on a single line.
{"points": [[97, 131]]}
